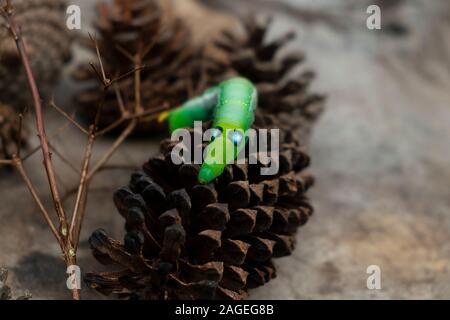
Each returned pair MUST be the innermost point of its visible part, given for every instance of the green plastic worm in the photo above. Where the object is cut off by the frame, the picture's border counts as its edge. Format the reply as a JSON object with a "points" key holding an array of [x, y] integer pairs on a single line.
{"points": [[232, 106]]}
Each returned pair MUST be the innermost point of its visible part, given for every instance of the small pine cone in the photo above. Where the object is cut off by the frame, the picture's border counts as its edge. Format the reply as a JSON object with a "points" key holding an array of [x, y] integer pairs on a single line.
{"points": [[173, 66], [10, 133], [281, 94], [48, 43], [189, 241], [5, 290]]}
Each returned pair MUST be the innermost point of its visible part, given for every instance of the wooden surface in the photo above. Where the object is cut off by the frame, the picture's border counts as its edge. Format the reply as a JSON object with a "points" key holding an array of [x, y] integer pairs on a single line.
{"points": [[381, 154]]}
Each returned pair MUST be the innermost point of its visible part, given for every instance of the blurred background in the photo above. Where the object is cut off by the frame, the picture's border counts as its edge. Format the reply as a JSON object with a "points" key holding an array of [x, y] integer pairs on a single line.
{"points": [[380, 153]]}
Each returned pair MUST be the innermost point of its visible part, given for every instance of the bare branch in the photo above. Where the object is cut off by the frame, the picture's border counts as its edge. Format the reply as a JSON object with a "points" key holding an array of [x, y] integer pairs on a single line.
{"points": [[52, 135], [137, 82], [21, 47], [105, 80], [125, 53], [127, 74], [99, 76], [6, 162], [123, 109], [64, 159], [19, 143], [61, 234], [125, 134], [112, 126], [80, 203], [68, 117], [19, 166], [118, 167], [68, 234]]}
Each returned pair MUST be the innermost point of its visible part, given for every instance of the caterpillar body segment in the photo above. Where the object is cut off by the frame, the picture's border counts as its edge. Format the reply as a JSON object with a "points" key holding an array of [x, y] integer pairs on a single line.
{"points": [[197, 109], [236, 105]]}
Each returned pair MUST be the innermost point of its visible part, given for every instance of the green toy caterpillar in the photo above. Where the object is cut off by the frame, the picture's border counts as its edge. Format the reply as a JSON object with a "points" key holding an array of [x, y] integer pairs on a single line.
{"points": [[232, 106]]}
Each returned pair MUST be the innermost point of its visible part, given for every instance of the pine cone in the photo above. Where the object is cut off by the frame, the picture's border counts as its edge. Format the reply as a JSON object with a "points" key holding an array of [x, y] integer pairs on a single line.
{"points": [[10, 135], [173, 66], [190, 241], [48, 43], [280, 94], [5, 291]]}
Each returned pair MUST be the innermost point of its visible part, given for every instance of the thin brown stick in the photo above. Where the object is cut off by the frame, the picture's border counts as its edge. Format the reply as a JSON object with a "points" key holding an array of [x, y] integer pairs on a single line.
{"points": [[68, 117], [40, 123], [19, 143], [99, 76], [106, 81], [111, 127], [61, 235], [118, 167], [103, 168], [127, 74], [68, 234], [137, 82], [80, 203], [6, 162], [106, 84], [125, 52], [52, 135], [64, 159], [19, 166], [122, 108], [141, 115], [132, 125], [124, 135]]}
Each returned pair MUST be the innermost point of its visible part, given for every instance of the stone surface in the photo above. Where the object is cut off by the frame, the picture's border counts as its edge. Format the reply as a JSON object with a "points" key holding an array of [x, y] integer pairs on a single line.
{"points": [[380, 153]]}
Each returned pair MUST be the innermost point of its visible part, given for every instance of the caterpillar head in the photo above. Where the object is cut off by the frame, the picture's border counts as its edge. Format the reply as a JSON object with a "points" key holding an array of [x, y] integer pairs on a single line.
{"points": [[223, 150]]}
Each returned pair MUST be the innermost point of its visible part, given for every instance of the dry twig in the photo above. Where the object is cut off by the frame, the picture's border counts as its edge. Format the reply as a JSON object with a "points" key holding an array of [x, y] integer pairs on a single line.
{"points": [[68, 232]]}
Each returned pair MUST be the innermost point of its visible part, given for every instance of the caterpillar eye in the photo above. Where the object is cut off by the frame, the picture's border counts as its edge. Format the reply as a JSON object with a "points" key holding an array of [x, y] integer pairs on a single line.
{"points": [[215, 132], [236, 137]]}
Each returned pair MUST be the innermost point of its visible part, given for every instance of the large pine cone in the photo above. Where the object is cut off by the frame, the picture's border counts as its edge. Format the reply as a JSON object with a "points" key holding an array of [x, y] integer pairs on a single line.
{"points": [[281, 94], [173, 65], [48, 43], [10, 133], [189, 241]]}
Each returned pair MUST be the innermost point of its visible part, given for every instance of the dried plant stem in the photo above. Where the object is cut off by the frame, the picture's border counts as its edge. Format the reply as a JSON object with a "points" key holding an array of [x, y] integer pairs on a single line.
{"points": [[62, 233], [124, 135], [68, 117], [68, 234], [138, 111], [36, 149], [69, 258], [80, 203], [19, 166], [137, 81], [40, 124], [129, 167], [132, 116], [64, 159]]}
